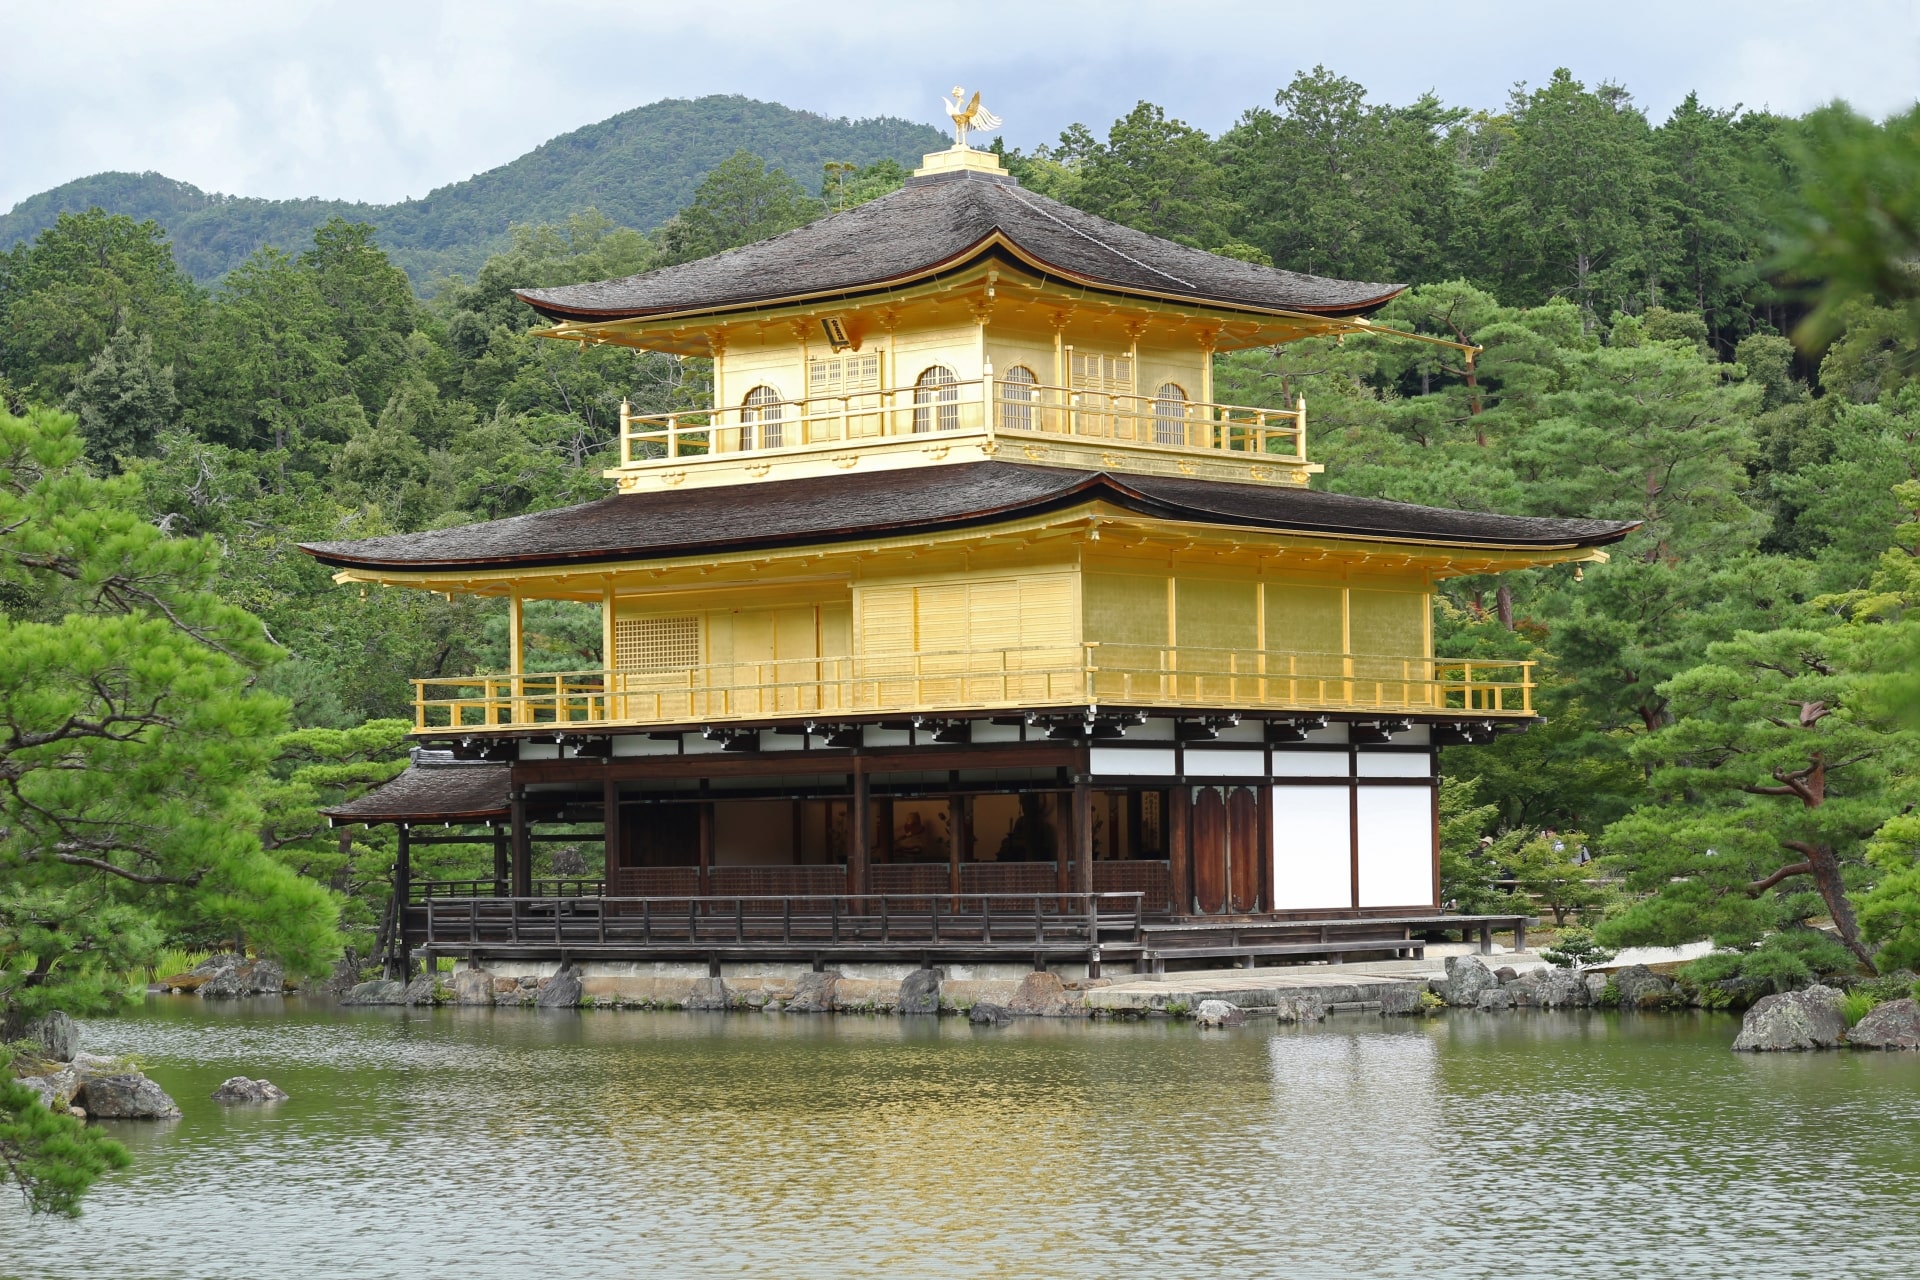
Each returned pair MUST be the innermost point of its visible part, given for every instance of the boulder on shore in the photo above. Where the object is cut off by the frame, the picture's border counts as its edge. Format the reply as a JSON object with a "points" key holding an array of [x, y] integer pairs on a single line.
{"points": [[425, 989], [128, 1096], [561, 991], [1467, 977], [1893, 1025], [234, 976], [1793, 1020], [1219, 1013], [920, 992], [1306, 1008], [814, 992], [1043, 995], [1494, 1000], [379, 991], [1639, 987], [241, 1089], [472, 986], [57, 1033], [55, 1089], [1561, 989]]}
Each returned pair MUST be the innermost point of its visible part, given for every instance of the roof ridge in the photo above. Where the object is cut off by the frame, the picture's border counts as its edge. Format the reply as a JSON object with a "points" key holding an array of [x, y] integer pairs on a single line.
{"points": [[1051, 217]]}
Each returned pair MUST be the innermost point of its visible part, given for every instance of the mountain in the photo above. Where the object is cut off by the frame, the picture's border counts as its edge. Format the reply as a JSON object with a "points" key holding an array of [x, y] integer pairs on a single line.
{"points": [[637, 168]]}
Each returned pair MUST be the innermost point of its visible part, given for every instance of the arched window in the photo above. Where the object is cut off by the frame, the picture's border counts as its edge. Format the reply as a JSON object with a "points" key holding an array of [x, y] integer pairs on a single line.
{"points": [[1170, 414], [760, 419], [936, 400], [1016, 399]]}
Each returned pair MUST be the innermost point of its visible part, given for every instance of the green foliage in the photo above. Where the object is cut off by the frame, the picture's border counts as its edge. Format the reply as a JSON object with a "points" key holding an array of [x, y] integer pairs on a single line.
{"points": [[1855, 1005], [51, 1158], [742, 201], [138, 742], [1787, 960], [1577, 949]]}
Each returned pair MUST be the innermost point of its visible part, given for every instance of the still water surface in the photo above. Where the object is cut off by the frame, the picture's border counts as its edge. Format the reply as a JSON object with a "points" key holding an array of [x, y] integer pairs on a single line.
{"points": [[481, 1144]]}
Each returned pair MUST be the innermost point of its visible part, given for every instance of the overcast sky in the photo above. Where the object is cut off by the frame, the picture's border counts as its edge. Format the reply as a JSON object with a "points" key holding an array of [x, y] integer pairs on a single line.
{"points": [[379, 101]]}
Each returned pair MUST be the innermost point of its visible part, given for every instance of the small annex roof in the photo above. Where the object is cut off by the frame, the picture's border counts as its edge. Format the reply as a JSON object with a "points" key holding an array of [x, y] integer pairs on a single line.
{"points": [[432, 790], [850, 507], [939, 222]]}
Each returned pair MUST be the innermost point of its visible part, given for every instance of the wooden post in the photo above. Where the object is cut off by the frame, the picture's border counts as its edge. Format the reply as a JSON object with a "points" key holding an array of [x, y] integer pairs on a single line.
{"points": [[522, 870], [1265, 843], [706, 848], [402, 890], [500, 864], [960, 848], [611, 835], [858, 832], [1082, 834], [1179, 864]]}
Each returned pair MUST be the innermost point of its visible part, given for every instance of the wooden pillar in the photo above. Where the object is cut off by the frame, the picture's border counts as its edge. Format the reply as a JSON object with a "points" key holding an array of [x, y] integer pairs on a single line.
{"points": [[500, 864], [1265, 845], [402, 890], [516, 668], [960, 847], [706, 848], [858, 832], [522, 870], [1082, 834], [1063, 841], [1179, 860], [611, 834]]}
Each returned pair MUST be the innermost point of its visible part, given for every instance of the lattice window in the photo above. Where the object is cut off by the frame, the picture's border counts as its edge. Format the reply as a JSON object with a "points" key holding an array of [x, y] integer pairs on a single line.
{"points": [[1112, 375], [1016, 399], [1170, 414], [762, 410], [656, 644], [844, 376], [935, 389]]}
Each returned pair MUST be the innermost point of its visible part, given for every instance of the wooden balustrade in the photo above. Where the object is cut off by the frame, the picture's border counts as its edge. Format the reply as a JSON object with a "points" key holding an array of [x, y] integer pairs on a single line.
{"points": [[1123, 676]]}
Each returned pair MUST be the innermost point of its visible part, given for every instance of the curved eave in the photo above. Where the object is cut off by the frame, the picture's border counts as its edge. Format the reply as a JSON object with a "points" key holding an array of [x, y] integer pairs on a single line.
{"points": [[958, 262], [1096, 488]]}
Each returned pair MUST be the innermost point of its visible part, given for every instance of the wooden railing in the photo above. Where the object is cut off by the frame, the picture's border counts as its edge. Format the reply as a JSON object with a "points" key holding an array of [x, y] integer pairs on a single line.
{"points": [[981, 406], [544, 887], [1010, 922], [1125, 676]]}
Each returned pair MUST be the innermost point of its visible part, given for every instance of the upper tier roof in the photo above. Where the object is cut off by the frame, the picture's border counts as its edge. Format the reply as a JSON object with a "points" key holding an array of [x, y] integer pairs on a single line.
{"points": [[938, 222], [849, 507]]}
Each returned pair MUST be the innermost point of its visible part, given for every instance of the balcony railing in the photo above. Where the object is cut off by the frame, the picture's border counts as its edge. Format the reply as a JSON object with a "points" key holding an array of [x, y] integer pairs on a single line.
{"points": [[977, 406], [1124, 676]]}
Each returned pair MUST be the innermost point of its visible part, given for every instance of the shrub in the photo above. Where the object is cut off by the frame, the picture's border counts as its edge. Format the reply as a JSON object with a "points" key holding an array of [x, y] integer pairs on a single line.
{"points": [[1576, 949], [1856, 1004]]}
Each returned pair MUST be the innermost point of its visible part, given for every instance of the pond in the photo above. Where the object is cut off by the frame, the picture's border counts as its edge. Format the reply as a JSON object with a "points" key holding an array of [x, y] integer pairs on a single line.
{"points": [[516, 1143]]}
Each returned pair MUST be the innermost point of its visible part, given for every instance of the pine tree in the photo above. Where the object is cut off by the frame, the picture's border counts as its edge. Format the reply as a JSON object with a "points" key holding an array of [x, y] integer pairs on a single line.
{"points": [[124, 400]]}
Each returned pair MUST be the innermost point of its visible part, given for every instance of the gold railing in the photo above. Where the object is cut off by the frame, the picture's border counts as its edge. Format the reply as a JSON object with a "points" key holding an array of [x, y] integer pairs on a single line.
{"points": [[1116, 675], [978, 406]]}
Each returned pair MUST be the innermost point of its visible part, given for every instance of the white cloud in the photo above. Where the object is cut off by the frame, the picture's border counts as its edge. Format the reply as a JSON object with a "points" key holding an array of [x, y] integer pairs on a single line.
{"points": [[377, 101]]}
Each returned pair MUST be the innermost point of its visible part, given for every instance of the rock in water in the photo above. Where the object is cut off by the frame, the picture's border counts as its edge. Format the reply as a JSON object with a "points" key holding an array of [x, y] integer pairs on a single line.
{"points": [[989, 1014], [920, 992], [55, 1089], [813, 993], [1893, 1025], [241, 1089], [562, 991], [1636, 983], [1043, 995], [424, 989], [1219, 1013], [237, 976], [130, 1096], [1467, 977], [472, 986], [377, 992], [1561, 989], [1495, 1000], [1307, 1008], [1810, 1019], [58, 1034], [1596, 986]]}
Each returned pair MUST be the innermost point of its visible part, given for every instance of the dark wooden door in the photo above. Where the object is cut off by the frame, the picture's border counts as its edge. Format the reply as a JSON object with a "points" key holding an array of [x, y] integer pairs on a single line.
{"points": [[1209, 850], [1243, 849]]}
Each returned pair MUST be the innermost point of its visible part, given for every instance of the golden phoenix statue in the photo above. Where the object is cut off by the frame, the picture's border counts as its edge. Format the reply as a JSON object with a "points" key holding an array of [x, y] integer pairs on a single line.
{"points": [[967, 115]]}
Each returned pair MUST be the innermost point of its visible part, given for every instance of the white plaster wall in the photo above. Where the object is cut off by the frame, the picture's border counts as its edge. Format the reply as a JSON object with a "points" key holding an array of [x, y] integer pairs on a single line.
{"points": [[1396, 846], [1312, 848]]}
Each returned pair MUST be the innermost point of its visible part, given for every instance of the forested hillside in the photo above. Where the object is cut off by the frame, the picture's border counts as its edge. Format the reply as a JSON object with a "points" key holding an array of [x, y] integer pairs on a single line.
{"points": [[636, 168], [1706, 323]]}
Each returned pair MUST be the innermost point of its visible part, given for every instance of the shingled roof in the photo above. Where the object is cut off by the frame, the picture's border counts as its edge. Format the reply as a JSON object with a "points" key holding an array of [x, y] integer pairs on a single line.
{"points": [[939, 222], [774, 513], [433, 791]]}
